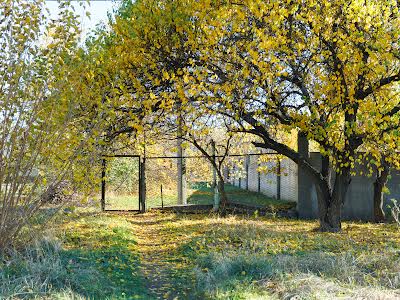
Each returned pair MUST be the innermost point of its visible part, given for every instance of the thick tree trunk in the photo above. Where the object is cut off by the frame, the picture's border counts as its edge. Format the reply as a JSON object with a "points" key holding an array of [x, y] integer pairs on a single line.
{"points": [[330, 201], [222, 193], [379, 185]]}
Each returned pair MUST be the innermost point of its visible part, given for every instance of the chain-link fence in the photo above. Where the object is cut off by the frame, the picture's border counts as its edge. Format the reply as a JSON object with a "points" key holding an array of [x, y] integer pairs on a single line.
{"points": [[269, 174], [256, 179], [121, 183], [162, 181]]}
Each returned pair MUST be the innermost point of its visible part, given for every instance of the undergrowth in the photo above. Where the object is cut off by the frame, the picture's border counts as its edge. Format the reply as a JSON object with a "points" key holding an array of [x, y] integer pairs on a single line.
{"points": [[90, 257], [259, 258], [316, 275], [111, 256], [38, 271]]}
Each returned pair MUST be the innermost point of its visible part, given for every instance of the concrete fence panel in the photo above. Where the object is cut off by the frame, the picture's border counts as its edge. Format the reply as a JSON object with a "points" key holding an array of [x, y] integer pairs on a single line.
{"points": [[289, 188]]}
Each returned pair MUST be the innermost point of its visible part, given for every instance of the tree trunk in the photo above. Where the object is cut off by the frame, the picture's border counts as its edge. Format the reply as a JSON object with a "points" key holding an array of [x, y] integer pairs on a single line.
{"points": [[330, 202], [222, 194], [379, 185]]}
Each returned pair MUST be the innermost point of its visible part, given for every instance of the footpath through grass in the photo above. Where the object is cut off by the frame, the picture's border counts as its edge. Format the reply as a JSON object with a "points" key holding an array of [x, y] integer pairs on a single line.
{"points": [[169, 256]]}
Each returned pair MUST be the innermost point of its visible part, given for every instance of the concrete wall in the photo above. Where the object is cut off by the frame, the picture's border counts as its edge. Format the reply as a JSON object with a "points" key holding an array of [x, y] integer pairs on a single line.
{"points": [[296, 186], [253, 174], [268, 179], [289, 174], [359, 198]]}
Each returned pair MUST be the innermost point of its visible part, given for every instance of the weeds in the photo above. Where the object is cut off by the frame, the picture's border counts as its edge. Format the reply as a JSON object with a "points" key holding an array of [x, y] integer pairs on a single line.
{"points": [[302, 275], [111, 256], [36, 272]]}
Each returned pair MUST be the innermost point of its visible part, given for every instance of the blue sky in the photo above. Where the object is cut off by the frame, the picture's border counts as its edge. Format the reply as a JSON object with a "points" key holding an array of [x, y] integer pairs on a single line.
{"points": [[98, 12]]}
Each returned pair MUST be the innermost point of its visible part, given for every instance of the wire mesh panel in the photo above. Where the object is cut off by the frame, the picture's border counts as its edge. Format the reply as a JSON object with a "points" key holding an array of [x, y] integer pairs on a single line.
{"points": [[199, 177], [122, 183], [162, 181]]}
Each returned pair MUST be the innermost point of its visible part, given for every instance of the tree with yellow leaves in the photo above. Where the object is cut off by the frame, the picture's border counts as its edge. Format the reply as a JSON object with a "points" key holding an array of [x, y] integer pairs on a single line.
{"points": [[329, 69]]}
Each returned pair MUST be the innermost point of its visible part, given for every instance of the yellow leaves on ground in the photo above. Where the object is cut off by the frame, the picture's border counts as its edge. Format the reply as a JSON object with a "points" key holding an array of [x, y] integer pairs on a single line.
{"points": [[169, 245]]}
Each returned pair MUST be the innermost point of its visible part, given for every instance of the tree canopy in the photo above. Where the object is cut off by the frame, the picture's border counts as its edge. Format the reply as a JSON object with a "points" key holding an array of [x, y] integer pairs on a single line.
{"points": [[329, 70]]}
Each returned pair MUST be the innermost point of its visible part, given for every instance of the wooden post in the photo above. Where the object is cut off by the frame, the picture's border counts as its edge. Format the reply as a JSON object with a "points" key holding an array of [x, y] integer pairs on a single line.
{"points": [[103, 184]]}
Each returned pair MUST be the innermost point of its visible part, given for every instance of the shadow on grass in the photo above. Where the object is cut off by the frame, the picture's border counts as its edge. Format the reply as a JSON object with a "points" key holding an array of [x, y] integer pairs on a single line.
{"points": [[204, 194], [141, 220]]}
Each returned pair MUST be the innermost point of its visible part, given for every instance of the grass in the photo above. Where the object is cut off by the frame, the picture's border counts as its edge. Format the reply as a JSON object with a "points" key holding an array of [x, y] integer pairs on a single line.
{"points": [[169, 256], [96, 259], [131, 202], [122, 202], [198, 193], [204, 194]]}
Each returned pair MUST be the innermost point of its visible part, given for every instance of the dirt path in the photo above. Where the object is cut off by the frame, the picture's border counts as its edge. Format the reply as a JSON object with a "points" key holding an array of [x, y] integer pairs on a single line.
{"points": [[160, 265]]}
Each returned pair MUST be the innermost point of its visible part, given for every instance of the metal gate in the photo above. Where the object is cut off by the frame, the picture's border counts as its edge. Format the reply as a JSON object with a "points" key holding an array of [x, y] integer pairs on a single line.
{"points": [[121, 184], [162, 177]]}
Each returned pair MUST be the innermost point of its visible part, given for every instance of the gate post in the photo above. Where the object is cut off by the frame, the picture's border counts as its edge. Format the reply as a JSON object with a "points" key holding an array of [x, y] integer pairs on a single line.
{"points": [[142, 185], [103, 184]]}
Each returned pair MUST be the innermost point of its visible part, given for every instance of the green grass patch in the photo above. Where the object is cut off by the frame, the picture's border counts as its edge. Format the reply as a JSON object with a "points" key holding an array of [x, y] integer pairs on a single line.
{"points": [[198, 193], [122, 202], [95, 257], [204, 194]]}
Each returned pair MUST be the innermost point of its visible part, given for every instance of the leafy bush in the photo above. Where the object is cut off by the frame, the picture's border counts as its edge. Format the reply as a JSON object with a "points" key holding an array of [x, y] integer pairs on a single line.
{"points": [[45, 139]]}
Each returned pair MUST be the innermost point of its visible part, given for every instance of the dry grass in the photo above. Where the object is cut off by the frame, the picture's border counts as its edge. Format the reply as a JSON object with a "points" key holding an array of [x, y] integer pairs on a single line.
{"points": [[155, 255]]}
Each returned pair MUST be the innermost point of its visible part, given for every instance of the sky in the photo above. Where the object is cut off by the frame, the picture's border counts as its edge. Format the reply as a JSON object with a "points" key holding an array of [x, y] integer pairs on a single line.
{"points": [[98, 12]]}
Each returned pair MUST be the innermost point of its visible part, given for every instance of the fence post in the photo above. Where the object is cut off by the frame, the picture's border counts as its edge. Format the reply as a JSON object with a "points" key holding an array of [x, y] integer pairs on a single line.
{"points": [[247, 160], [162, 198], [215, 181], [278, 179], [103, 184], [304, 202], [181, 164], [142, 186]]}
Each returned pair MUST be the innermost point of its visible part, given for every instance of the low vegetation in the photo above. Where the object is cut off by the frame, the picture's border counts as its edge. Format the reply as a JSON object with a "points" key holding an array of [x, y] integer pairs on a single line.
{"points": [[198, 193], [89, 255]]}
